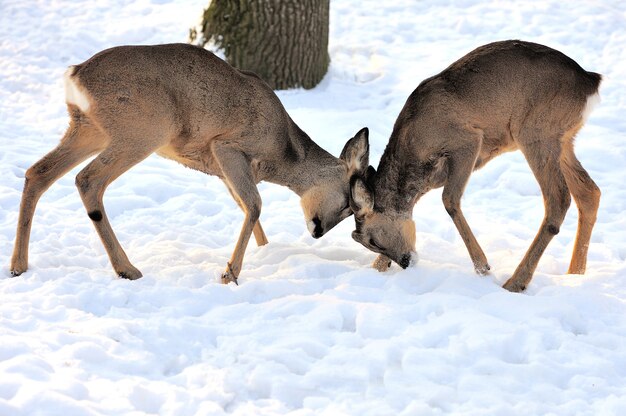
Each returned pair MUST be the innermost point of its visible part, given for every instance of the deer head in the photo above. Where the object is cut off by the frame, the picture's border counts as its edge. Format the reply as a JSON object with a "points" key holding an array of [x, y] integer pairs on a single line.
{"points": [[326, 203], [386, 232]]}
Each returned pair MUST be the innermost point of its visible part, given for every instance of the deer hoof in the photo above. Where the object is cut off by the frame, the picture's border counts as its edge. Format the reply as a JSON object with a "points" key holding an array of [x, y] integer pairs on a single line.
{"points": [[229, 276], [18, 266], [514, 286], [16, 272], [130, 274], [482, 270]]}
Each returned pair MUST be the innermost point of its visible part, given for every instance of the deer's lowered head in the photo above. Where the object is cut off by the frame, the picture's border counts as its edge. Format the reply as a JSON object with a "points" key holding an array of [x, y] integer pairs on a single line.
{"points": [[383, 202], [389, 232], [325, 203]]}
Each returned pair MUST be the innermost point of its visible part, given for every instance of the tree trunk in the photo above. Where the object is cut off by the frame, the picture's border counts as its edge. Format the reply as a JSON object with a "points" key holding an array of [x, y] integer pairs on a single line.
{"points": [[284, 41]]}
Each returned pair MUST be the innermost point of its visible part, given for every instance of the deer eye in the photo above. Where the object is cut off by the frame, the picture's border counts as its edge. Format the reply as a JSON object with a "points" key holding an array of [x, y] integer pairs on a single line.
{"points": [[374, 244]]}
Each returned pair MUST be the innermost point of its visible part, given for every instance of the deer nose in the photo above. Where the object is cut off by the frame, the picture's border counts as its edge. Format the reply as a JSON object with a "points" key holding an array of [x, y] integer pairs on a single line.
{"points": [[405, 261], [318, 231]]}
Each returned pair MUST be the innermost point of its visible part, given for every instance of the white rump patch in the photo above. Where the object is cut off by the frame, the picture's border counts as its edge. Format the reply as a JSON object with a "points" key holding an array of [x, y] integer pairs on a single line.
{"points": [[592, 101], [74, 93]]}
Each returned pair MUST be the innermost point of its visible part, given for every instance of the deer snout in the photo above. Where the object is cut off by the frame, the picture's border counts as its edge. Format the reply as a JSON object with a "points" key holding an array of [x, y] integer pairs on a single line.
{"points": [[315, 227], [405, 261], [408, 260]]}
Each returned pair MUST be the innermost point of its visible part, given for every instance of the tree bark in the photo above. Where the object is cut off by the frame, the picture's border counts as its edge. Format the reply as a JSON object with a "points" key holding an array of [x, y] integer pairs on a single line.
{"points": [[285, 42]]}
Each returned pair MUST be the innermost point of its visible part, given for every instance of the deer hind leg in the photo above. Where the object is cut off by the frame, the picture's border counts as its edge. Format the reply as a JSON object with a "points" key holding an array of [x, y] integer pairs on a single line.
{"points": [[259, 234], [92, 182], [80, 141], [587, 197], [460, 165], [238, 176], [543, 159]]}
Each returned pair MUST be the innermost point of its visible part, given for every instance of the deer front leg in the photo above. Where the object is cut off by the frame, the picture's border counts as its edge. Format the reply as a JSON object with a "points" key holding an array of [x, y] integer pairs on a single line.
{"points": [[460, 167], [382, 263], [237, 174], [259, 234]]}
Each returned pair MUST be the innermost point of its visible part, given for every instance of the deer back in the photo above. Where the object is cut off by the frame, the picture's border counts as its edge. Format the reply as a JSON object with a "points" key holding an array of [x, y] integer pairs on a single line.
{"points": [[187, 94], [505, 93]]}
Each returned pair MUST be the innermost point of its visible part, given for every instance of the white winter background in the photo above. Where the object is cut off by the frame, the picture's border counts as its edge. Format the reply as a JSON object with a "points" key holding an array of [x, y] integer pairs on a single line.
{"points": [[312, 329]]}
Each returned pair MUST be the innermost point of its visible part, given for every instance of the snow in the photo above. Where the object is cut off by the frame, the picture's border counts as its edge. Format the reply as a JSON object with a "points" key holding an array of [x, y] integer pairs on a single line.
{"points": [[312, 329]]}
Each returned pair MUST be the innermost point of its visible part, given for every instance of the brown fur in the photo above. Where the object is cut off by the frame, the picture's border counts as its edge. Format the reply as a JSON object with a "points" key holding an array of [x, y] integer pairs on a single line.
{"points": [[500, 97], [185, 104]]}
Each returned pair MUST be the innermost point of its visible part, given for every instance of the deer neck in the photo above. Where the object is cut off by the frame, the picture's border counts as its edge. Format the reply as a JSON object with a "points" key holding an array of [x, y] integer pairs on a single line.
{"points": [[399, 182], [304, 164]]}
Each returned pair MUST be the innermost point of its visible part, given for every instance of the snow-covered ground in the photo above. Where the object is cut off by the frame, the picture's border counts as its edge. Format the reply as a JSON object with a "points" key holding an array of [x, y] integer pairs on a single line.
{"points": [[312, 329]]}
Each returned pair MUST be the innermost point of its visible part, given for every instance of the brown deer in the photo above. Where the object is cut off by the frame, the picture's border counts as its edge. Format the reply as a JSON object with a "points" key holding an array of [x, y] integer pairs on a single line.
{"points": [[185, 104], [500, 97]]}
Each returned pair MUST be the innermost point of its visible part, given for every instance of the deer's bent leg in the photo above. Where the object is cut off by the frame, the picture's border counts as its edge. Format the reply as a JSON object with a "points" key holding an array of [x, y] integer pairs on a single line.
{"points": [[259, 234], [80, 141], [238, 176], [460, 166], [543, 159], [587, 197], [93, 180]]}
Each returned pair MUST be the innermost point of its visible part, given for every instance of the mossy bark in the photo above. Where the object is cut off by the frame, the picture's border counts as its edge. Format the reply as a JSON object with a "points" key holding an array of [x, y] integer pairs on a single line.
{"points": [[284, 41]]}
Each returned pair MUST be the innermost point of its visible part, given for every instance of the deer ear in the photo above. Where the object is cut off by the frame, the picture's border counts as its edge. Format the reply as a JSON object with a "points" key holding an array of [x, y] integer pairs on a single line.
{"points": [[361, 198], [356, 152], [370, 175]]}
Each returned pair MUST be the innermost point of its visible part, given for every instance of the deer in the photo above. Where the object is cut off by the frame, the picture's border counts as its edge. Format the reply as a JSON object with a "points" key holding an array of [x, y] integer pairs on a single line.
{"points": [[503, 96], [183, 103]]}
